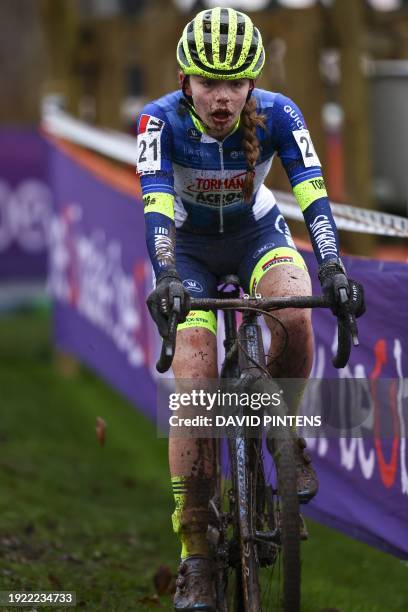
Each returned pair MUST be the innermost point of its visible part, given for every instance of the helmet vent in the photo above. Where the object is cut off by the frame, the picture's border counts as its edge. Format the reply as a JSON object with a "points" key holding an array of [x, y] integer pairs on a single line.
{"points": [[211, 47]]}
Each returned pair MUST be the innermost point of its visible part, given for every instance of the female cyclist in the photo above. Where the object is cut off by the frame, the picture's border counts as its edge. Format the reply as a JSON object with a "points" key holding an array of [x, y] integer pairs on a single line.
{"points": [[203, 154]]}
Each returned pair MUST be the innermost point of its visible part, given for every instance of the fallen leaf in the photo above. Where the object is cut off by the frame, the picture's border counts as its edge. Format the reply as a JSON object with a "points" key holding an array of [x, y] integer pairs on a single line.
{"points": [[55, 581], [66, 365], [101, 430], [129, 482], [163, 580]]}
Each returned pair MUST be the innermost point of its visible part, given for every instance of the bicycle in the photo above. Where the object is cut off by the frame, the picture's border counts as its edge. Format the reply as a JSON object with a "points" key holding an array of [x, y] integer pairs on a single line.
{"points": [[257, 525]]}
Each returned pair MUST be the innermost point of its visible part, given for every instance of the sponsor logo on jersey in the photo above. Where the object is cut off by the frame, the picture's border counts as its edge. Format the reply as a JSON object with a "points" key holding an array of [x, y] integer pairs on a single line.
{"points": [[318, 184], [214, 199], [282, 227], [161, 230], [148, 123], [149, 200], [323, 235], [192, 285], [194, 154], [295, 116], [277, 260], [194, 134], [237, 154], [263, 249], [164, 249], [205, 184]]}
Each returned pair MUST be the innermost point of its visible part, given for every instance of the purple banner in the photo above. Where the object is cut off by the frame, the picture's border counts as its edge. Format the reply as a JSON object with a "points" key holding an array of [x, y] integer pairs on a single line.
{"points": [[364, 480], [25, 205], [99, 277]]}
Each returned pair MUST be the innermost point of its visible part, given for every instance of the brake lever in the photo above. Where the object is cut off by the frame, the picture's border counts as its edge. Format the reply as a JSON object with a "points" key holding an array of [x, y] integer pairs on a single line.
{"points": [[353, 329], [351, 319], [169, 343], [176, 304]]}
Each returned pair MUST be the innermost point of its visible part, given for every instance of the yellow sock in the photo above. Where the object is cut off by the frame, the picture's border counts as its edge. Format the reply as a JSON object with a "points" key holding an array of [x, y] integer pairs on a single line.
{"points": [[193, 535], [193, 544]]}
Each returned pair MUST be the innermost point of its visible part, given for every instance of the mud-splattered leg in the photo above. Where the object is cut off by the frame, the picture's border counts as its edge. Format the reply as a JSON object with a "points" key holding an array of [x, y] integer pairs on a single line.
{"points": [[294, 360], [191, 459], [291, 355]]}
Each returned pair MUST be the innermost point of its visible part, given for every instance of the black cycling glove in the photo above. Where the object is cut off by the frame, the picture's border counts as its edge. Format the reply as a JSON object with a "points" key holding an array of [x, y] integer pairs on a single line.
{"points": [[335, 284], [160, 300]]}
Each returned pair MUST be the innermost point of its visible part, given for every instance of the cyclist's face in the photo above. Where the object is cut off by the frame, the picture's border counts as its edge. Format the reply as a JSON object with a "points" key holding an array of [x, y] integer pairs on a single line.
{"points": [[219, 103]]}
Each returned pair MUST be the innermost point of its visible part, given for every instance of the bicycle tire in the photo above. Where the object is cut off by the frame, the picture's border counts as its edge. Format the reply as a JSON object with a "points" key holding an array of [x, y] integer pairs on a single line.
{"points": [[289, 522], [252, 506], [248, 587], [260, 596], [247, 591]]}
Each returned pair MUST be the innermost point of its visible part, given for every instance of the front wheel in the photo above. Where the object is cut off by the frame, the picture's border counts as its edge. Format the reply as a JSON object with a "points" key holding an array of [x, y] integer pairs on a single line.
{"points": [[259, 548], [288, 517], [269, 528]]}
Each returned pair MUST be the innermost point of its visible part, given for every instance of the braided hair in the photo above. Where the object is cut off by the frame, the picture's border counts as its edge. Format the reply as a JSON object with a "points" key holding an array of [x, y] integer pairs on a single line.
{"points": [[250, 120]]}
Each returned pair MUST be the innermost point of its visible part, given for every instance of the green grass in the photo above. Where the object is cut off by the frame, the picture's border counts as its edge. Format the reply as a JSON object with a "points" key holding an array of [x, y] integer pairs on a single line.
{"points": [[96, 520]]}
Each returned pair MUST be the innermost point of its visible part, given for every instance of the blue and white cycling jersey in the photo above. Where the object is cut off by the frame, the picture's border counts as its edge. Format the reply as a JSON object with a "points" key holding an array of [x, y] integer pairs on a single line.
{"points": [[194, 182]]}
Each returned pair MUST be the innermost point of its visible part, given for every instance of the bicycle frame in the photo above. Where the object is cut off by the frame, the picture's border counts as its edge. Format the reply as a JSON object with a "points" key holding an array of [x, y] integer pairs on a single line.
{"points": [[238, 363], [255, 529]]}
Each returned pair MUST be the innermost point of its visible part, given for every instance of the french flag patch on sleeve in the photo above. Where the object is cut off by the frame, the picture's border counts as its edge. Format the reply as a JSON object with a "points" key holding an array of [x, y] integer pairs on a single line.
{"points": [[148, 123]]}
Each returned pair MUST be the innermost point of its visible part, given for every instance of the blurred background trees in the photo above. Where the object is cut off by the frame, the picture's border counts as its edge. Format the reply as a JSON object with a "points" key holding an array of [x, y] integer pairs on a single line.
{"points": [[105, 58]]}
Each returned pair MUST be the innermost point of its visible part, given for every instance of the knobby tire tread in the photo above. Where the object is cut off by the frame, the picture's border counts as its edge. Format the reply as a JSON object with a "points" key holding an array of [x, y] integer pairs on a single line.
{"points": [[290, 525]]}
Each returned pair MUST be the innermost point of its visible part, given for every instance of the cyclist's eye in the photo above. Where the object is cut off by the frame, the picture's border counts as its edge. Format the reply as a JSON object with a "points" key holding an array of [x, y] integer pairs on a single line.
{"points": [[207, 83]]}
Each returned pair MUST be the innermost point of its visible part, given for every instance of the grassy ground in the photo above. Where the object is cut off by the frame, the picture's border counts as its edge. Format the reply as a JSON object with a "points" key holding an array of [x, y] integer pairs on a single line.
{"points": [[78, 516]]}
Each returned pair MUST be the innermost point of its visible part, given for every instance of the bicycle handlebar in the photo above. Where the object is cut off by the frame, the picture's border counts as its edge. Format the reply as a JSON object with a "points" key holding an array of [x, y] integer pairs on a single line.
{"points": [[347, 332]]}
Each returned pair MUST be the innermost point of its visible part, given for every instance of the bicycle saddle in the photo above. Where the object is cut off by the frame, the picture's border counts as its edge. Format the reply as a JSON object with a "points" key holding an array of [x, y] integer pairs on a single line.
{"points": [[229, 279]]}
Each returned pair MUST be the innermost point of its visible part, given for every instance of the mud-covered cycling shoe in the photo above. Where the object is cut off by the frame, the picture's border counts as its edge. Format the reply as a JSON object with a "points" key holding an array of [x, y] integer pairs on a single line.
{"points": [[307, 482], [195, 585]]}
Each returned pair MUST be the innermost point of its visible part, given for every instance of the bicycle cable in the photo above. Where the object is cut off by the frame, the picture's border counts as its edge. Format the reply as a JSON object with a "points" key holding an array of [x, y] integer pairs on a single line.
{"points": [[271, 316]]}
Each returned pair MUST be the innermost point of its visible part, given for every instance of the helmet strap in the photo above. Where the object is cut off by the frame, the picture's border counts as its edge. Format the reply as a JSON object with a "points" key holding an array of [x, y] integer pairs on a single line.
{"points": [[183, 89], [188, 103], [251, 89]]}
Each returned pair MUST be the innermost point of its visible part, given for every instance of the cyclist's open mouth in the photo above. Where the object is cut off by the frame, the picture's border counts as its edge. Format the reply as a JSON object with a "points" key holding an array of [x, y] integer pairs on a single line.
{"points": [[220, 117]]}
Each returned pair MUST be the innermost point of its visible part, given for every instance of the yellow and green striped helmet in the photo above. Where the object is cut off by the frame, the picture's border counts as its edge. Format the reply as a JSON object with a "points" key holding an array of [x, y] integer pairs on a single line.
{"points": [[221, 43]]}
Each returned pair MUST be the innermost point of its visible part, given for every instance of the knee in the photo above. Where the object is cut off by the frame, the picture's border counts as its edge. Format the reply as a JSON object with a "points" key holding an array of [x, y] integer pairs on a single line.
{"points": [[296, 323], [299, 326], [292, 344]]}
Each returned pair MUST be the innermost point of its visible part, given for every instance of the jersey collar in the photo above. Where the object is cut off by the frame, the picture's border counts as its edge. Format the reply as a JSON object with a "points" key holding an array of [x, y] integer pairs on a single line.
{"points": [[206, 137]]}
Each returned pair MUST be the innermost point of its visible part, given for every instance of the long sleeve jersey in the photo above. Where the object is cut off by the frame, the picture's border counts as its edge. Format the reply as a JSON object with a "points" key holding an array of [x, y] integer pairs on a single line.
{"points": [[194, 182]]}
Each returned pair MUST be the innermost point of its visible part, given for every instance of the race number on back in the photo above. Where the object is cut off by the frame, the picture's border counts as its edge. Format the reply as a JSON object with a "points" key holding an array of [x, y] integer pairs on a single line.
{"points": [[306, 147]]}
